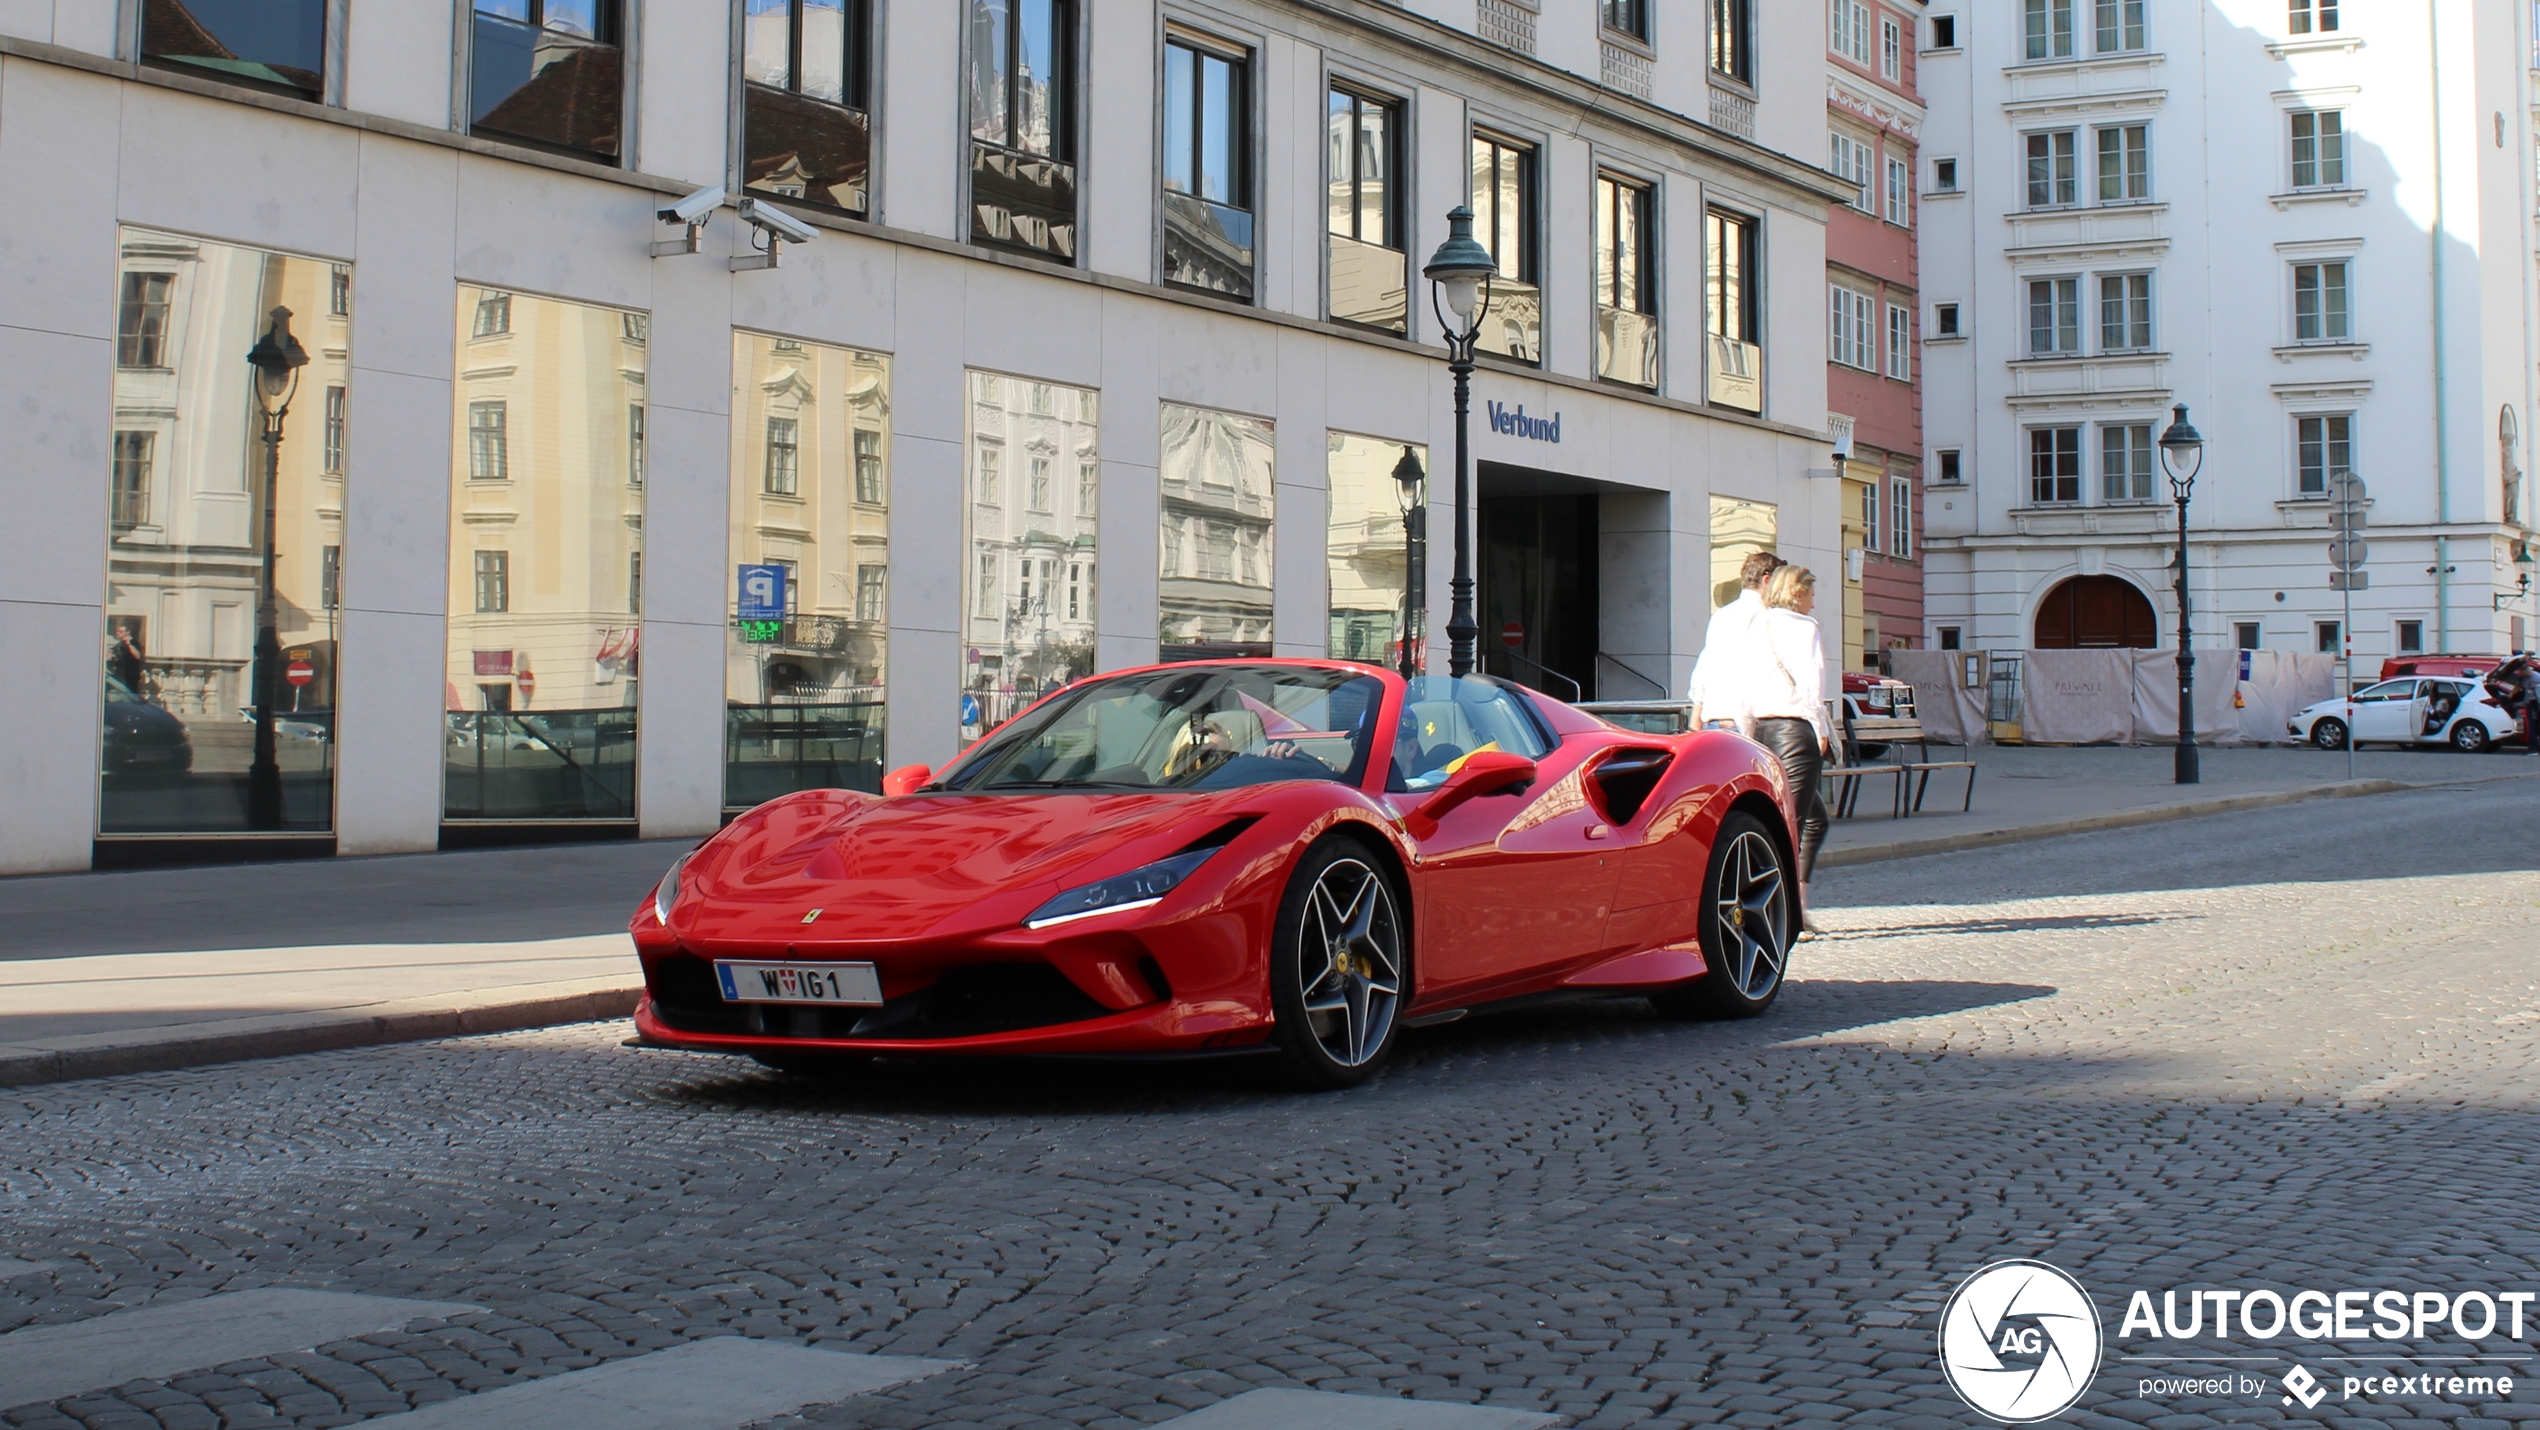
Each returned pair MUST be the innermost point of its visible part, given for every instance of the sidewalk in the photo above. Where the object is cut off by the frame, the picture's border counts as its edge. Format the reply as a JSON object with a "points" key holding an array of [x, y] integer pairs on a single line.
{"points": [[152, 969]]}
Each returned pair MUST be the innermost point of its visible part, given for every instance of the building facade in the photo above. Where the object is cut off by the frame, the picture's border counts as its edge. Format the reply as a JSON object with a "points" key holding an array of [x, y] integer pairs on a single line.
{"points": [[1104, 346], [1874, 121], [2292, 216]]}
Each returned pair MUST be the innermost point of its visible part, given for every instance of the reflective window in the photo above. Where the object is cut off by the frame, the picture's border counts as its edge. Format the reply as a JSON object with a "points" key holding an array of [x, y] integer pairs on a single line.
{"points": [[808, 65], [1030, 622], [280, 44], [1207, 155], [1739, 529], [1213, 588], [225, 536], [1364, 549], [1504, 219], [811, 548], [1731, 311], [1626, 283], [548, 72], [546, 562], [1022, 102], [1362, 154]]}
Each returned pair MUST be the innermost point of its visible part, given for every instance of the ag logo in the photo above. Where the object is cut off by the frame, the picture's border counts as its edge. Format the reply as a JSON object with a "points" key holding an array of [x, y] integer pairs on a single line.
{"points": [[2019, 1341]]}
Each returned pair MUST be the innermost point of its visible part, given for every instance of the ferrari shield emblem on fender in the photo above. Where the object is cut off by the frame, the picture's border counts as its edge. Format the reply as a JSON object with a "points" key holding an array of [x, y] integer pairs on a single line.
{"points": [[807, 918]]}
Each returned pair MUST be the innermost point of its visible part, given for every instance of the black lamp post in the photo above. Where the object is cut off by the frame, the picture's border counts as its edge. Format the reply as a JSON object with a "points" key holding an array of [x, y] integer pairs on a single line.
{"points": [[277, 358], [1415, 550], [1458, 277], [2182, 454]]}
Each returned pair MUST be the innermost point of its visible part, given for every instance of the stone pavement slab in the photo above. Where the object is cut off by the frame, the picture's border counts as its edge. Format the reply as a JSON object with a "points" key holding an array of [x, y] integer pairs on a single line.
{"points": [[716, 1384], [43, 1363]]}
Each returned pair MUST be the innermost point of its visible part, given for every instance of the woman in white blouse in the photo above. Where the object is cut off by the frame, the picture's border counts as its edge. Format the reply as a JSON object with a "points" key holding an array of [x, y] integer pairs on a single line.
{"points": [[1785, 701]]}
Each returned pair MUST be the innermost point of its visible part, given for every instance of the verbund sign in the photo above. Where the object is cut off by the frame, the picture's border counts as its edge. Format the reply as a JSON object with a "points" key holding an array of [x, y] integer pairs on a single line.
{"points": [[1514, 422]]}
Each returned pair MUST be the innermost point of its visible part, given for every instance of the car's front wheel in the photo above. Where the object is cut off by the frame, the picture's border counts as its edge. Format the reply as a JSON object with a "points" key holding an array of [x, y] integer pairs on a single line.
{"points": [[2469, 737], [1340, 966], [1750, 919], [2329, 733]]}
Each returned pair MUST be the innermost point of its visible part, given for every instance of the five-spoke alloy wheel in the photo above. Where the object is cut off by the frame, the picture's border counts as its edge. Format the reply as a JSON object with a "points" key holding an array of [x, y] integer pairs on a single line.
{"points": [[1340, 966], [1750, 919]]}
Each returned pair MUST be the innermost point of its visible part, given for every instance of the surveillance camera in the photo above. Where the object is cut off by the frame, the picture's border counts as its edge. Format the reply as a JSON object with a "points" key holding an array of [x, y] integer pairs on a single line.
{"points": [[776, 222], [696, 208]]}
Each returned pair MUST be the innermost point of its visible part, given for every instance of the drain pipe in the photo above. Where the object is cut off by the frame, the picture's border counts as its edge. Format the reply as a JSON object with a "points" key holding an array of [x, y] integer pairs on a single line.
{"points": [[2442, 361]]}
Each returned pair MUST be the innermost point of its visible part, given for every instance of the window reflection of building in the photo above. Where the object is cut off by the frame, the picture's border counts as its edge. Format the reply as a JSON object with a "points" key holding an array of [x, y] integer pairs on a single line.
{"points": [[808, 135], [803, 695], [1022, 155], [1030, 626], [1363, 546], [1213, 588], [546, 533], [1739, 528], [548, 72], [186, 477]]}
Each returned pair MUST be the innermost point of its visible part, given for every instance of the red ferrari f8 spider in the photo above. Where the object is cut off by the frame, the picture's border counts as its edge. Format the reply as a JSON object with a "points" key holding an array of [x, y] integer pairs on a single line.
{"points": [[1299, 857]]}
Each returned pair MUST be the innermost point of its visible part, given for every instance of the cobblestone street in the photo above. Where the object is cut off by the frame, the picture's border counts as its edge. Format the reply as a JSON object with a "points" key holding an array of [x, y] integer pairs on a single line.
{"points": [[2294, 1047]]}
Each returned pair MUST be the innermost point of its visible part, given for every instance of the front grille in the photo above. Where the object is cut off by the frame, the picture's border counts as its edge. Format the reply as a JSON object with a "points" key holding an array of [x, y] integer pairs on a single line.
{"points": [[965, 1002]]}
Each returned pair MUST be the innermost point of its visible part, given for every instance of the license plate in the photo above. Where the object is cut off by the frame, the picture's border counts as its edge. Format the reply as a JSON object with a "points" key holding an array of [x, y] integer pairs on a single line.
{"points": [[847, 983]]}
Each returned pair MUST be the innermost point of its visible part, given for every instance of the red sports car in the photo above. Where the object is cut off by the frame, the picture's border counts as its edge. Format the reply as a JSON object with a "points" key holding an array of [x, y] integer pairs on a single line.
{"points": [[1297, 857]]}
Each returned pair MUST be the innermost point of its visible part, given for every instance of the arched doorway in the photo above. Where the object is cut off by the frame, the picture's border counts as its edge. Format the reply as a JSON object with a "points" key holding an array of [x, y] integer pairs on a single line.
{"points": [[2096, 613]]}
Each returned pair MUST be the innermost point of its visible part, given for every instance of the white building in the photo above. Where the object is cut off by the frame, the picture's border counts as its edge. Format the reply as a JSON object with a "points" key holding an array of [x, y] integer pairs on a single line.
{"points": [[1101, 291], [2311, 221]]}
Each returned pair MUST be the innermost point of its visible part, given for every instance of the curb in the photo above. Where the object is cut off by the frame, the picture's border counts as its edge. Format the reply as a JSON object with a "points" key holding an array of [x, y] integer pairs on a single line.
{"points": [[2123, 819], [314, 1033]]}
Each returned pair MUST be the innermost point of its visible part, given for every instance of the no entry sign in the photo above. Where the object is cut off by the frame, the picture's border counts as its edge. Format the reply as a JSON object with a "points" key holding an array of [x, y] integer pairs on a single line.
{"points": [[299, 672], [1512, 635]]}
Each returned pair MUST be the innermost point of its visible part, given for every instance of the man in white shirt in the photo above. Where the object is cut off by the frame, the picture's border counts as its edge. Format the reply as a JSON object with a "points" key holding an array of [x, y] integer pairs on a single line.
{"points": [[1726, 644]]}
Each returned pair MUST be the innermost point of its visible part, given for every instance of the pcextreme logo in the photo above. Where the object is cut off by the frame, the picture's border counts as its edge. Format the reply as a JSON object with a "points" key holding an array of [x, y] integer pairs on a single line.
{"points": [[2019, 1341]]}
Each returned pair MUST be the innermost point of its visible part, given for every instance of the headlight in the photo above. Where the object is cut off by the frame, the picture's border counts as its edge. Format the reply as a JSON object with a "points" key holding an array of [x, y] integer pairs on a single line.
{"points": [[666, 893], [1121, 892]]}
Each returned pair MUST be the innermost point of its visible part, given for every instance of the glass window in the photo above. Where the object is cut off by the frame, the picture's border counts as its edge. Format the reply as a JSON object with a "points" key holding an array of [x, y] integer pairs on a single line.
{"points": [[1900, 524], [1730, 303], [1022, 102], [2319, 148], [1900, 189], [2125, 462], [273, 44], [1739, 529], [808, 66], [1362, 157], [1900, 342], [2051, 181], [2120, 25], [218, 623], [335, 429], [1952, 465], [2125, 312], [2305, 17], [1630, 17], [2323, 446], [2321, 303], [635, 444], [543, 664], [1626, 283], [493, 315], [1364, 551], [1944, 32], [2054, 465], [1848, 30], [1208, 237], [548, 72], [805, 675], [1852, 328], [1849, 158], [1871, 508], [1213, 589], [1944, 175], [2246, 635], [1504, 201], [2125, 163], [2054, 316], [1944, 320], [2046, 28], [1891, 48], [1021, 640], [2326, 633], [339, 292], [2412, 638], [1733, 39]]}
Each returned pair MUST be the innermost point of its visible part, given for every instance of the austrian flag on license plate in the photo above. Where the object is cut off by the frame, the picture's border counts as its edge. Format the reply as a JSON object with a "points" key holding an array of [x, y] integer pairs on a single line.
{"points": [[799, 983]]}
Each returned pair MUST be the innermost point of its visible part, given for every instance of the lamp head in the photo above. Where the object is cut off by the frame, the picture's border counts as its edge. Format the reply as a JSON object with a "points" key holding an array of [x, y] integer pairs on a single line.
{"points": [[1408, 475], [2182, 452], [1460, 265], [277, 358]]}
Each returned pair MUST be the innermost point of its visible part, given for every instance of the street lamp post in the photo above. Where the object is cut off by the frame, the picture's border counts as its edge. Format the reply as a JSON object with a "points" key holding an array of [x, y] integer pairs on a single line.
{"points": [[277, 358], [1458, 277], [2182, 454], [1415, 551]]}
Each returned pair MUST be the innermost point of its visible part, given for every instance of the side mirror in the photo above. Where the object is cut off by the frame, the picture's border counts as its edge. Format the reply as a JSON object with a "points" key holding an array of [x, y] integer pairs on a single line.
{"points": [[905, 780], [1485, 773]]}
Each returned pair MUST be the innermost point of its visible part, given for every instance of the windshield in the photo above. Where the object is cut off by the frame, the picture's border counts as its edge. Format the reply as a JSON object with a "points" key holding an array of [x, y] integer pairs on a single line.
{"points": [[1202, 727]]}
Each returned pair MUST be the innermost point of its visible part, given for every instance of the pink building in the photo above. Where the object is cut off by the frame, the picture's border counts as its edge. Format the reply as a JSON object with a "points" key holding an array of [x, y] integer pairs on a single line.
{"points": [[1874, 120]]}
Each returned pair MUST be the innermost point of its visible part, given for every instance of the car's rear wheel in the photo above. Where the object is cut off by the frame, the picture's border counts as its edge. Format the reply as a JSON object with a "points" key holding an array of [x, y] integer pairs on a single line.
{"points": [[2469, 737], [2329, 733], [1750, 919], [1340, 966]]}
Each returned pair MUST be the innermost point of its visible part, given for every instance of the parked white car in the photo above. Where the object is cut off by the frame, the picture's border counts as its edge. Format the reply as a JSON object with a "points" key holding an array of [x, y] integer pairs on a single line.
{"points": [[2412, 710]]}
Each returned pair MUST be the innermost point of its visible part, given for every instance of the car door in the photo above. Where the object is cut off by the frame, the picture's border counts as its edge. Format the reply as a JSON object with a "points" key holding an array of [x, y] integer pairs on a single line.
{"points": [[2438, 704], [1513, 882], [2387, 711]]}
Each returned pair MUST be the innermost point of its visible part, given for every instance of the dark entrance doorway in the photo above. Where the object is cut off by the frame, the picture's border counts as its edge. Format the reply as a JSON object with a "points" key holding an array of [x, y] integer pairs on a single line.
{"points": [[1537, 564], [2096, 613]]}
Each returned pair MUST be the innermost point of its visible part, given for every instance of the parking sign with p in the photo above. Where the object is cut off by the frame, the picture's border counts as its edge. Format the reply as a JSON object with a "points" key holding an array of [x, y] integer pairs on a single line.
{"points": [[762, 593]]}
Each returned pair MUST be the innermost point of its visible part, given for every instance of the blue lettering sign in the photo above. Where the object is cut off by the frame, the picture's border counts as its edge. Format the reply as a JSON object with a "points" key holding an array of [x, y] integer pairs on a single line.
{"points": [[1514, 422]]}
